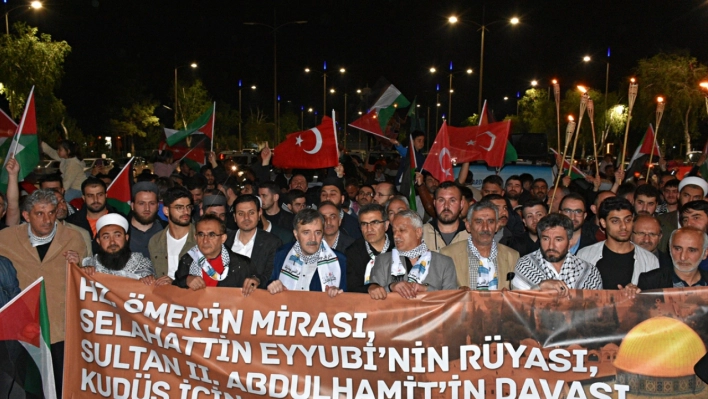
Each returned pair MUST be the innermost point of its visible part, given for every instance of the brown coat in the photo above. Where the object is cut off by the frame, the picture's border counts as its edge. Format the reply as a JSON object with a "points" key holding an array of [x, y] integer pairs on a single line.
{"points": [[15, 245], [158, 250], [506, 262]]}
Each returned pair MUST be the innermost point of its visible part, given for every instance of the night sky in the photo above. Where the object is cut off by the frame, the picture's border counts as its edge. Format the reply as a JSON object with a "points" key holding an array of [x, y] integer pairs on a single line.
{"points": [[116, 44]]}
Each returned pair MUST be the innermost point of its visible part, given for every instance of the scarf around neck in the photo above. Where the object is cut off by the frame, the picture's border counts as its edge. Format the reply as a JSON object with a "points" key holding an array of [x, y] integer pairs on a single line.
{"points": [[37, 241], [328, 269], [420, 269], [200, 264], [487, 277], [370, 264]]}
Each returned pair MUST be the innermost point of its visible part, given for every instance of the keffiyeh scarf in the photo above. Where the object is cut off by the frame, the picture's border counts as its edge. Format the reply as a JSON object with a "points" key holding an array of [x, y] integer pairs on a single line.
{"points": [[328, 267], [487, 276], [200, 264], [420, 269], [37, 241], [370, 265]]}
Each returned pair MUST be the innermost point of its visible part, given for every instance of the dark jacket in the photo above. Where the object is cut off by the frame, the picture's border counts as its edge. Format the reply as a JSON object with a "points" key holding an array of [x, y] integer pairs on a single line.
{"points": [[315, 285], [240, 268], [80, 218], [350, 225], [661, 278], [9, 285], [357, 259], [344, 242], [526, 245], [587, 235], [264, 247]]}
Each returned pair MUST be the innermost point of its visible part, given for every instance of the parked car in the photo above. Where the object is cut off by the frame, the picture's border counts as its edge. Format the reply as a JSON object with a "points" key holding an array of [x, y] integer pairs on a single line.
{"points": [[105, 163]]}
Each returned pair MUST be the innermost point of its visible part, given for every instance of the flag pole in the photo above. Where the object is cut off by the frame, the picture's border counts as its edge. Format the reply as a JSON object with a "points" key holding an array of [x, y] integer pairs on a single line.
{"points": [[583, 104], [591, 116], [213, 126], [633, 86], [556, 95], [120, 173], [568, 137], [660, 104], [192, 149], [334, 129], [18, 135]]}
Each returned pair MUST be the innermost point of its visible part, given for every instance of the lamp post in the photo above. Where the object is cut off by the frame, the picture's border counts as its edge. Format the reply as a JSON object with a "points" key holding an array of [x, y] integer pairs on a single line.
{"points": [[449, 99], [323, 72], [483, 27], [193, 66], [34, 5], [275, 28], [437, 105]]}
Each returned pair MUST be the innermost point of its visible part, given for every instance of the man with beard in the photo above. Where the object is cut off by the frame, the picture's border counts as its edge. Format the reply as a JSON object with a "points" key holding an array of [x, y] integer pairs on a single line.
{"points": [[646, 199], [594, 208], [532, 212], [383, 192], [514, 191], [93, 191], [695, 214], [143, 219], [551, 267], [362, 253], [309, 264], [446, 228], [114, 255], [411, 268], [215, 204], [35, 249], [493, 184], [670, 193], [196, 185], [365, 195], [503, 234], [251, 241], [573, 206], [333, 235], [295, 201], [619, 261], [481, 263], [211, 264], [646, 232], [270, 196], [691, 188], [539, 189], [168, 246], [332, 190], [689, 247]]}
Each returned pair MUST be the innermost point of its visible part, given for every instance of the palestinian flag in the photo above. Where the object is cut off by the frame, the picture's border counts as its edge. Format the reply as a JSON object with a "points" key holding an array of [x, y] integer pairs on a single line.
{"points": [[8, 127], [413, 168], [25, 319], [376, 120], [575, 173], [118, 193], [640, 157], [23, 145], [203, 125]]}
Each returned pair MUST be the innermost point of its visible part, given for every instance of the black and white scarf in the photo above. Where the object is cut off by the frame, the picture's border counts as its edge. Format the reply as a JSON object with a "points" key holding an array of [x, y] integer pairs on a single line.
{"points": [[200, 264], [370, 265], [37, 241]]}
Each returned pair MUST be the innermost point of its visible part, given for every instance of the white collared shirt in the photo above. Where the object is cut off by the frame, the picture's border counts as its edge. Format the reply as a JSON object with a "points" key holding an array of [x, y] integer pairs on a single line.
{"points": [[243, 249]]}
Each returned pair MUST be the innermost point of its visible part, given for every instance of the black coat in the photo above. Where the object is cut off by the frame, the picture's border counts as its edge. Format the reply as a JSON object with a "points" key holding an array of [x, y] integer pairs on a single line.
{"points": [[344, 242], [661, 278], [357, 259], [264, 248], [350, 225], [240, 268]]}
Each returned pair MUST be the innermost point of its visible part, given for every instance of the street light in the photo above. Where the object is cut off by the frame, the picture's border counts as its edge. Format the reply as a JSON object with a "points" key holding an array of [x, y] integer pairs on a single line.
{"points": [[534, 83], [704, 85], [483, 27], [275, 28], [450, 89], [193, 65], [34, 5], [324, 83], [586, 58]]}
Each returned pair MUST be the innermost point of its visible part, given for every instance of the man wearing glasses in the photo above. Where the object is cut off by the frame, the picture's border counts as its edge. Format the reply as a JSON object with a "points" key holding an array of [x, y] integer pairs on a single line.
{"points": [[573, 206], [211, 264], [171, 244], [365, 196], [362, 253], [384, 192], [647, 233]]}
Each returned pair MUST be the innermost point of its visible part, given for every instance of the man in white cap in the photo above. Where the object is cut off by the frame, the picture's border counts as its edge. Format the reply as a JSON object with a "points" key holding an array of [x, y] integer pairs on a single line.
{"points": [[691, 188], [113, 255]]}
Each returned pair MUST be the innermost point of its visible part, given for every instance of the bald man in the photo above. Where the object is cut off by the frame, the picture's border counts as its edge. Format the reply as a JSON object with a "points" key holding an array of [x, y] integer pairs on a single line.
{"points": [[689, 247], [646, 233]]}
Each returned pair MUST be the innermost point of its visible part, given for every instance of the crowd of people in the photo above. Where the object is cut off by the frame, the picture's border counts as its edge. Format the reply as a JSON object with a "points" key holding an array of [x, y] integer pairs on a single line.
{"points": [[277, 231]]}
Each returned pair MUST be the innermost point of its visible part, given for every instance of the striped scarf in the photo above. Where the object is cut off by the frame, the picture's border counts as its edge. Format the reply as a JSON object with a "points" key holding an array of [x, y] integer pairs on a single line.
{"points": [[200, 264]]}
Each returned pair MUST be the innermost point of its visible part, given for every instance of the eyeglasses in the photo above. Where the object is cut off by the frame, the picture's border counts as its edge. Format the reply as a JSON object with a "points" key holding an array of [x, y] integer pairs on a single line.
{"points": [[182, 208], [365, 194], [384, 195], [210, 236], [643, 234], [569, 211], [373, 223]]}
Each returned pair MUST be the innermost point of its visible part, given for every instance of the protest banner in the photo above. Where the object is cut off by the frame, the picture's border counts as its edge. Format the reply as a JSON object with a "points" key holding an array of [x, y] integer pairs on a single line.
{"points": [[128, 340]]}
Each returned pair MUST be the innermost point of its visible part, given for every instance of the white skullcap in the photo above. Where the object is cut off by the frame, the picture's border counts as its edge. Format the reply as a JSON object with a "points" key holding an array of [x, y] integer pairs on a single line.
{"points": [[111, 219], [696, 181]]}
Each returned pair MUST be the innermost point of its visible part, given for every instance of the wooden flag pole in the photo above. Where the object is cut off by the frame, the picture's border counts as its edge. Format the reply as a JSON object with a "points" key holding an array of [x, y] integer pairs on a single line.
{"points": [[556, 95], [583, 105], [633, 87], [568, 137], [591, 115], [660, 104]]}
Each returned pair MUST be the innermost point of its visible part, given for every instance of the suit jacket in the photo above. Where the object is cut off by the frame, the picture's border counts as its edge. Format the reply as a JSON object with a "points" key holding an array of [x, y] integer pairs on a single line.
{"points": [[158, 250], [315, 284], [441, 274], [350, 225], [669, 223], [506, 262], [16, 247], [345, 241], [262, 256], [357, 260], [660, 278], [240, 268]]}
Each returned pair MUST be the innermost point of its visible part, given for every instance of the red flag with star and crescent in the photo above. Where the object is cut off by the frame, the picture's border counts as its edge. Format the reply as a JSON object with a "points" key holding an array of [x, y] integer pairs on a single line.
{"points": [[312, 149], [439, 159], [480, 143]]}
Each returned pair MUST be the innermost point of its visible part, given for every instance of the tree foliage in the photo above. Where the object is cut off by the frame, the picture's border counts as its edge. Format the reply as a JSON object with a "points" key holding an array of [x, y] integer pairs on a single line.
{"points": [[257, 129], [676, 77], [192, 101], [226, 129], [136, 121], [28, 58]]}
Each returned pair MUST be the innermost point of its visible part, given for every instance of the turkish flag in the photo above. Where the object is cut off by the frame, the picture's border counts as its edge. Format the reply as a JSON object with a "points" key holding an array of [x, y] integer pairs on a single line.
{"points": [[439, 159], [312, 149], [480, 143]]}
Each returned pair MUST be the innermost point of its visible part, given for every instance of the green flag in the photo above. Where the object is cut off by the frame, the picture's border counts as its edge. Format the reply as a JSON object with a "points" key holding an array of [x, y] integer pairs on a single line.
{"points": [[175, 136]]}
